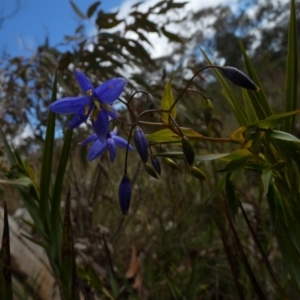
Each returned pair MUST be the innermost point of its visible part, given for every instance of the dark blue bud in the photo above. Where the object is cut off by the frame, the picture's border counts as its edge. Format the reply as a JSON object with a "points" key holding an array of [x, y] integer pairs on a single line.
{"points": [[125, 194], [141, 143], [239, 78], [156, 164]]}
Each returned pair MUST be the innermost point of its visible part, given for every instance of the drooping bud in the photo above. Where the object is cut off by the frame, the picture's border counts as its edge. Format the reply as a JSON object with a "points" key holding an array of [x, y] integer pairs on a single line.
{"points": [[208, 111], [196, 172], [141, 143], [151, 171], [156, 164], [239, 78], [172, 164], [188, 150], [125, 194]]}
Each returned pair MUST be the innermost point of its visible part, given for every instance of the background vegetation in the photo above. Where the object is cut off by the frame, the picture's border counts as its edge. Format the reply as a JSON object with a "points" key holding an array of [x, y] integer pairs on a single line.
{"points": [[233, 236]]}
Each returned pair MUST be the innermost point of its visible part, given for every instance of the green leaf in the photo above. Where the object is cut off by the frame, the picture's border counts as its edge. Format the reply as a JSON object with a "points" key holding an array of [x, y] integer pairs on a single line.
{"points": [[291, 71], [237, 160], [231, 196], [252, 117], [280, 135], [6, 291], [22, 181], [198, 157], [47, 162], [284, 234], [269, 122], [167, 101], [92, 9], [218, 189], [68, 265], [238, 154], [233, 102], [266, 177], [274, 120], [8, 150], [167, 135], [79, 13], [56, 222], [259, 98]]}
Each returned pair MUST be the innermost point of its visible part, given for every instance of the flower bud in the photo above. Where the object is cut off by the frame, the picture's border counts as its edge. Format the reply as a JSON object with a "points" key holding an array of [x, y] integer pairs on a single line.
{"points": [[125, 194], [141, 143], [196, 172], [208, 111], [188, 150], [151, 171], [156, 164], [239, 78], [172, 164]]}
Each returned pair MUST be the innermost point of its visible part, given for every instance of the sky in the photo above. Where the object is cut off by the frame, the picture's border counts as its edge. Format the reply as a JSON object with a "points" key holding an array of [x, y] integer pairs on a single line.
{"points": [[36, 19]]}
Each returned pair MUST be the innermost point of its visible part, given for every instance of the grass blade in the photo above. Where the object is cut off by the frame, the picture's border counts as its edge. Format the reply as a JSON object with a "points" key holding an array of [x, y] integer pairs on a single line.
{"points": [[47, 163], [68, 265], [56, 222], [291, 71], [259, 99], [5, 266]]}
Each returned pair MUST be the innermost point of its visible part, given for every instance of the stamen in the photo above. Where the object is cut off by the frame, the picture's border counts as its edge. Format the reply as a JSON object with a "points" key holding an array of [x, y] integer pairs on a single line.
{"points": [[89, 93], [107, 107], [94, 115], [97, 104], [86, 110]]}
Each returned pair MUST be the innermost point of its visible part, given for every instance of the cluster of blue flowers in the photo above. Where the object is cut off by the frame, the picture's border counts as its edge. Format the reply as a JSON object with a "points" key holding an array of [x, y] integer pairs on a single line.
{"points": [[95, 103]]}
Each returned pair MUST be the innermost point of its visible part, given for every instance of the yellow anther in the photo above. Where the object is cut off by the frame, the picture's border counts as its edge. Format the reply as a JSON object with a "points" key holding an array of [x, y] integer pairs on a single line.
{"points": [[94, 115], [86, 110], [89, 93], [107, 107], [97, 104]]}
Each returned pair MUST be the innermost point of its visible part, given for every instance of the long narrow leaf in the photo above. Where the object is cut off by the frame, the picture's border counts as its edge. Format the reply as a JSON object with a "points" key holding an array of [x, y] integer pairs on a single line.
{"points": [[5, 266], [291, 71], [56, 223], [259, 98], [252, 116], [9, 152], [47, 163], [68, 265]]}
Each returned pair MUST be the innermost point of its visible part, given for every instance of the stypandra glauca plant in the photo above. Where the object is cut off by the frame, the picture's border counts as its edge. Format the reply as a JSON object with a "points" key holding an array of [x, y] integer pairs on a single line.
{"points": [[264, 143]]}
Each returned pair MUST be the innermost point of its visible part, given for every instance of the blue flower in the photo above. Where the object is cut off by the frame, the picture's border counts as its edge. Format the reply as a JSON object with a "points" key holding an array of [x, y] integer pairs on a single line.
{"points": [[110, 143], [95, 102]]}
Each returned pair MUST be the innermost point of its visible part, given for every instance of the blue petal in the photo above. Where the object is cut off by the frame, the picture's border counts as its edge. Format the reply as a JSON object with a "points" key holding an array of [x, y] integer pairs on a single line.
{"points": [[80, 117], [96, 150], [83, 81], [121, 142], [91, 138], [69, 105], [101, 125], [112, 149], [110, 90]]}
